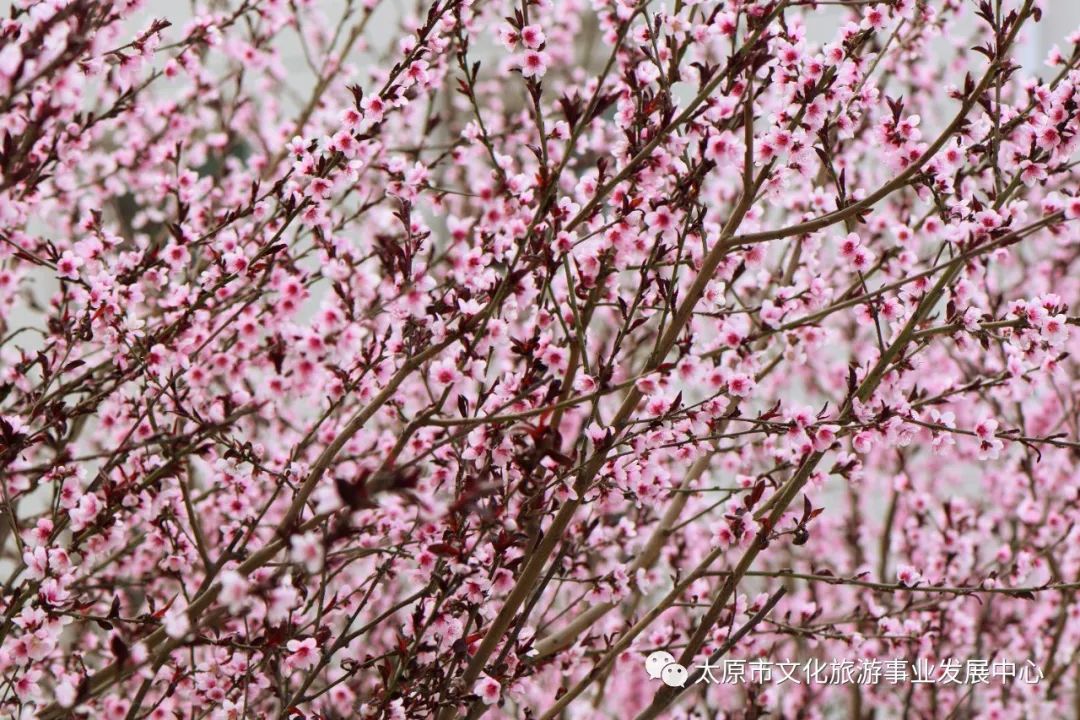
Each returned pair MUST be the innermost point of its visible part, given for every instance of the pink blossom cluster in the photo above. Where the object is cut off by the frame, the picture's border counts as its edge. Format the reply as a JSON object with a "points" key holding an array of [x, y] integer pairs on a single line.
{"points": [[520, 339]]}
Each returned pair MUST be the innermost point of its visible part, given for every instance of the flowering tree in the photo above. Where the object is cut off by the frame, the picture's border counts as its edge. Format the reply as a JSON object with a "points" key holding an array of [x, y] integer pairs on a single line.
{"points": [[457, 383]]}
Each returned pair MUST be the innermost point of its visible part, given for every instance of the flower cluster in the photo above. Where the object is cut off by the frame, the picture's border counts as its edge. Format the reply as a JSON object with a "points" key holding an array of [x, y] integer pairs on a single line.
{"points": [[498, 344]]}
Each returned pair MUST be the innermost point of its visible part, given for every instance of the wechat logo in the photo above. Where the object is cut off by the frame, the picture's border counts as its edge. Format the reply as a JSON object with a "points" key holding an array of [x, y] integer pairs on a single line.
{"points": [[661, 665]]}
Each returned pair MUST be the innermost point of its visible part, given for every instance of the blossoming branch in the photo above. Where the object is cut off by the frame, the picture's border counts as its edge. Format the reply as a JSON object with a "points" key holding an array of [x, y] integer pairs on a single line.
{"points": [[534, 358]]}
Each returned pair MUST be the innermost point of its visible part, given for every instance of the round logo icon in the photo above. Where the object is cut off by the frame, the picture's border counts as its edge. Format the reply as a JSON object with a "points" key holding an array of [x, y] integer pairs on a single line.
{"points": [[674, 675], [661, 665]]}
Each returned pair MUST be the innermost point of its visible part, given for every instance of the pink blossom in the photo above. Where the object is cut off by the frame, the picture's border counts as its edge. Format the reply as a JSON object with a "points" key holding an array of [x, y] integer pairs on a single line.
{"points": [[534, 64], [649, 384], [68, 265], [1072, 208], [532, 36], [66, 694], [303, 654], [307, 550], [177, 623], [740, 384], [863, 442], [489, 690], [908, 575]]}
